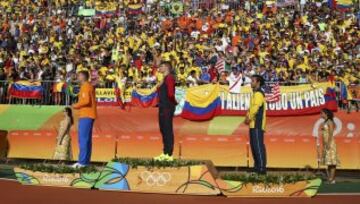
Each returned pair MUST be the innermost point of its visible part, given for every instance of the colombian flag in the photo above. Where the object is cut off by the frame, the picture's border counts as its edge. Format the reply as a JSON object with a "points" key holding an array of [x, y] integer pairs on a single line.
{"points": [[106, 9], [26, 90], [202, 103], [342, 5], [144, 97], [135, 9]]}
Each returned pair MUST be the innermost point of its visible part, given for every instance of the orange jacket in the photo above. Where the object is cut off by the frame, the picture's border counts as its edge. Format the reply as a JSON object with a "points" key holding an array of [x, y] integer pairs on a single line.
{"points": [[87, 101]]}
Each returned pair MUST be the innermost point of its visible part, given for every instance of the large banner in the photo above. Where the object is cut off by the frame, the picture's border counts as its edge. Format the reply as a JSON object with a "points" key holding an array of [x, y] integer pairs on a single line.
{"points": [[180, 98], [294, 100], [207, 101], [105, 97]]}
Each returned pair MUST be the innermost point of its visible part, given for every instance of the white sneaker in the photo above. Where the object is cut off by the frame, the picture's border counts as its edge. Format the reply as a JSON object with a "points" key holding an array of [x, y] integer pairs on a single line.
{"points": [[77, 165]]}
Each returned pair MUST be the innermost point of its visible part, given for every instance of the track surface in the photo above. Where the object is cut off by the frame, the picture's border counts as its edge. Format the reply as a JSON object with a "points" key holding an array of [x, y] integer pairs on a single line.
{"points": [[14, 193]]}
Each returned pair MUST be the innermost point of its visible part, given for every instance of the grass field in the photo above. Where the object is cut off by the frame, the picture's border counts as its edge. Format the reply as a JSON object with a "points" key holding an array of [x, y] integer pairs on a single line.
{"points": [[217, 126], [25, 117]]}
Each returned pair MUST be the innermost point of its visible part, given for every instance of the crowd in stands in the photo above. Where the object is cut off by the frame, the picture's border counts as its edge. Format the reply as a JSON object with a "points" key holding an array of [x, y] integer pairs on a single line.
{"points": [[42, 40]]}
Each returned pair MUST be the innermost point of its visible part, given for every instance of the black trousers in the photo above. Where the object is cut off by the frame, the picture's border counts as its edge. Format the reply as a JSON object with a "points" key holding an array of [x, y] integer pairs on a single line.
{"points": [[258, 150], [166, 115]]}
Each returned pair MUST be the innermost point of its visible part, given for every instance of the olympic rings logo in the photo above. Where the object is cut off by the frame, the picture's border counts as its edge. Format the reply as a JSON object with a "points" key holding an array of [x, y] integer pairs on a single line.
{"points": [[156, 178], [319, 122]]}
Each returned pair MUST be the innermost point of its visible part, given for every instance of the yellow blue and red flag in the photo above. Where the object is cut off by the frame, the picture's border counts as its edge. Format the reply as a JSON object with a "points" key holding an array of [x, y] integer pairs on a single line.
{"points": [[144, 97], [202, 103], [26, 90], [342, 5]]}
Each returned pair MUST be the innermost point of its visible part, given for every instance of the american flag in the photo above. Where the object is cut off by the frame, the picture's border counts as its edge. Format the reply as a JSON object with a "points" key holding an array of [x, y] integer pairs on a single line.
{"points": [[272, 92], [220, 65]]}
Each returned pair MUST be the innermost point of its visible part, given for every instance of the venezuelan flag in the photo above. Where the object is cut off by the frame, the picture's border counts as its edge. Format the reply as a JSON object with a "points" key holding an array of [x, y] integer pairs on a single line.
{"points": [[202, 103], [330, 99], [144, 97], [26, 90]]}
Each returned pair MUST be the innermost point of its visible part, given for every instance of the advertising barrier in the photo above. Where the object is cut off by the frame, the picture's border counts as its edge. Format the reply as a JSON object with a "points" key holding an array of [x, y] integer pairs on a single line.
{"points": [[105, 97], [291, 142]]}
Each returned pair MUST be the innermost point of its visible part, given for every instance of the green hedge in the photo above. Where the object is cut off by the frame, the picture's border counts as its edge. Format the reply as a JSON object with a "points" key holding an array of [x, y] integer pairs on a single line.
{"points": [[132, 162], [61, 168], [151, 163]]}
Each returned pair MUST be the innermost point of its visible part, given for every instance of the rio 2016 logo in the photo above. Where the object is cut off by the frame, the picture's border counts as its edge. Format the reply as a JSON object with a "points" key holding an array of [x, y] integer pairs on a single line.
{"points": [[156, 178], [338, 127], [268, 190], [47, 178]]}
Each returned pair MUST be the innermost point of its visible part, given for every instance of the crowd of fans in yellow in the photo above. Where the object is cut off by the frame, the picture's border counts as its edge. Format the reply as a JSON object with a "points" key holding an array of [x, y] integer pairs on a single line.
{"points": [[46, 40]]}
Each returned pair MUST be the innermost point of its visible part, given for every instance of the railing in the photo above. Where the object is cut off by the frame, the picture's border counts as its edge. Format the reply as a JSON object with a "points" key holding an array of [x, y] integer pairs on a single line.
{"points": [[49, 96], [207, 5], [71, 9], [3, 91], [60, 97], [50, 8], [66, 97]]}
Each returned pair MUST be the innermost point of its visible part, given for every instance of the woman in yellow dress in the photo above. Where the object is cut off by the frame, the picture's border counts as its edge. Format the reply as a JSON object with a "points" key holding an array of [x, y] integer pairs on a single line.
{"points": [[63, 140], [329, 157]]}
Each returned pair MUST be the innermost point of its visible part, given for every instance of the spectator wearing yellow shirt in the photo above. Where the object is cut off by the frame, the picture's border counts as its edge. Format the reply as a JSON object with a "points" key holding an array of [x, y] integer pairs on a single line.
{"points": [[110, 79], [134, 73], [303, 66], [128, 90], [181, 77], [194, 68]]}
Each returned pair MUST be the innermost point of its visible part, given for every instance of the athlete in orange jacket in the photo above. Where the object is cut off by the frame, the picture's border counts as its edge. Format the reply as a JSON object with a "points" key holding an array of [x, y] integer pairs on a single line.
{"points": [[87, 101], [87, 109]]}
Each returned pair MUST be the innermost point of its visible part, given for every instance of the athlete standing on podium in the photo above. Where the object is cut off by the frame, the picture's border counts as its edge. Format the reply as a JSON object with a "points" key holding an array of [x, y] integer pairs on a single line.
{"points": [[87, 115], [167, 104], [256, 119]]}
